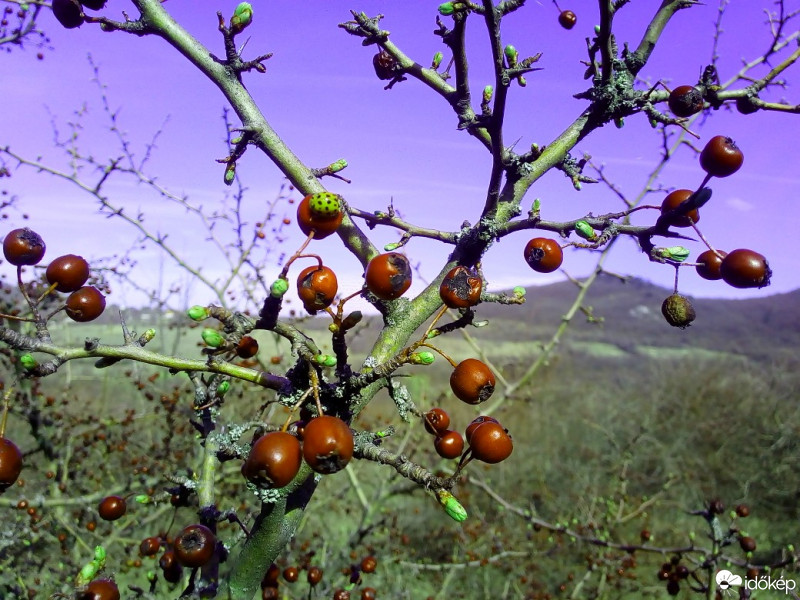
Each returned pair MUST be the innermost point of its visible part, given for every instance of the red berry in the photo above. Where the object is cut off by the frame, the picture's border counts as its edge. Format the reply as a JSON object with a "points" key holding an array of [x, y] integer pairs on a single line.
{"points": [[194, 546], [491, 443], [10, 463], [747, 543], [170, 567], [567, 19], [291, 574], [112, 508], [472, 381], [449, 444], [314, 575], [369, 564], [68, 12], [23, 247], [709, 264], [100, 589], [85, 304], [93, 4], [543, 255], [672, 201], [460, 288], [327, 444], [721, 157], [436, 421], [149, 546], [369, 593], [744, 268], [685, 100], [476, 422], [388, 275], [317, 287], [68, 272], [274, 460], [247, 347]]}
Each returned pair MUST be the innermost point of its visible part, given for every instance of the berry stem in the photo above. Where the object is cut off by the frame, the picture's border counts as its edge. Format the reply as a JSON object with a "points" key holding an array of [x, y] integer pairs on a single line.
{"points": [[47, 292], [705, 241], [441, 352], [6, 406], [298, 253], [296, 405], [675, 287]]}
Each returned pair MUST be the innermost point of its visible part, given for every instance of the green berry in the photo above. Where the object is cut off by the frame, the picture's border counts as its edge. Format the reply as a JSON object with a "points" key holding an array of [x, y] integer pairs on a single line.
{"points": [[325, 205]]}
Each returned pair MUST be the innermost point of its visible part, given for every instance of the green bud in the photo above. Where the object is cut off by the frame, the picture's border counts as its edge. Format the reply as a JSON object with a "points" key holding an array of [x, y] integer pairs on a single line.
{"points": [[390, 247], [790, 547], [151, 576], [422, 358], [242, 17], [483, 323], [337, 166], [584, 230], [230, 173], [619, 123], [653, 123], [325, 205], [452, 506], [676, 253], [537, 205], [511, 55], [28, 362], [278, 288], [437, 60], [236, 140], [520, 291], [334, 328], [488, 91], [147, 336], [326, 360], [142, 499], [446, 9], [86, 574], [24, 6], [223, 388], [522, 81], [597, 29], [197, 313], [351, 320], [212, 338]]}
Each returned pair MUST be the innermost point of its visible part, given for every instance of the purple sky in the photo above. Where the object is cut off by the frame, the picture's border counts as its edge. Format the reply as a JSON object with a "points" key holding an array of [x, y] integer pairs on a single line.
{"points": [[321, 95]]}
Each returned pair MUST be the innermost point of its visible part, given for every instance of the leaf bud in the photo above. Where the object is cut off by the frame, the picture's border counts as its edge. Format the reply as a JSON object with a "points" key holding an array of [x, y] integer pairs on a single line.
{"points": [[28, 362], [326, 360], [520, 291], [142, 499], [197, 313], [488, 91], [437, 60], [337, 166], [422, 358], [511, 55], [242, 17], [147, 336], [584, 230], [446, 9], [223, 388], [230, 173], [451, 506], [390, 247], [676, 253], [212, 338], [278, 288], [351, 320]]}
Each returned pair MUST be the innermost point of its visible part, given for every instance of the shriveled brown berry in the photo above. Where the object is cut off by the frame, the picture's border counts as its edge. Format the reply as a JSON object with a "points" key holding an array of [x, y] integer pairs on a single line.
{"points": [[369, 564], [195, 545], [385, 65], [388, 275], [678, 311], [436, 420], [247, 347], [93, 4], [23, 247], [85, 304], [685, 100], [747, 543], [460, 288], [742, 510]]}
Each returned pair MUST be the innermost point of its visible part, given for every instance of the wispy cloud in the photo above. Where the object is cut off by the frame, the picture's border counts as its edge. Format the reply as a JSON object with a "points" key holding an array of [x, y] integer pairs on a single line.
{"points": [[739, 204]]}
